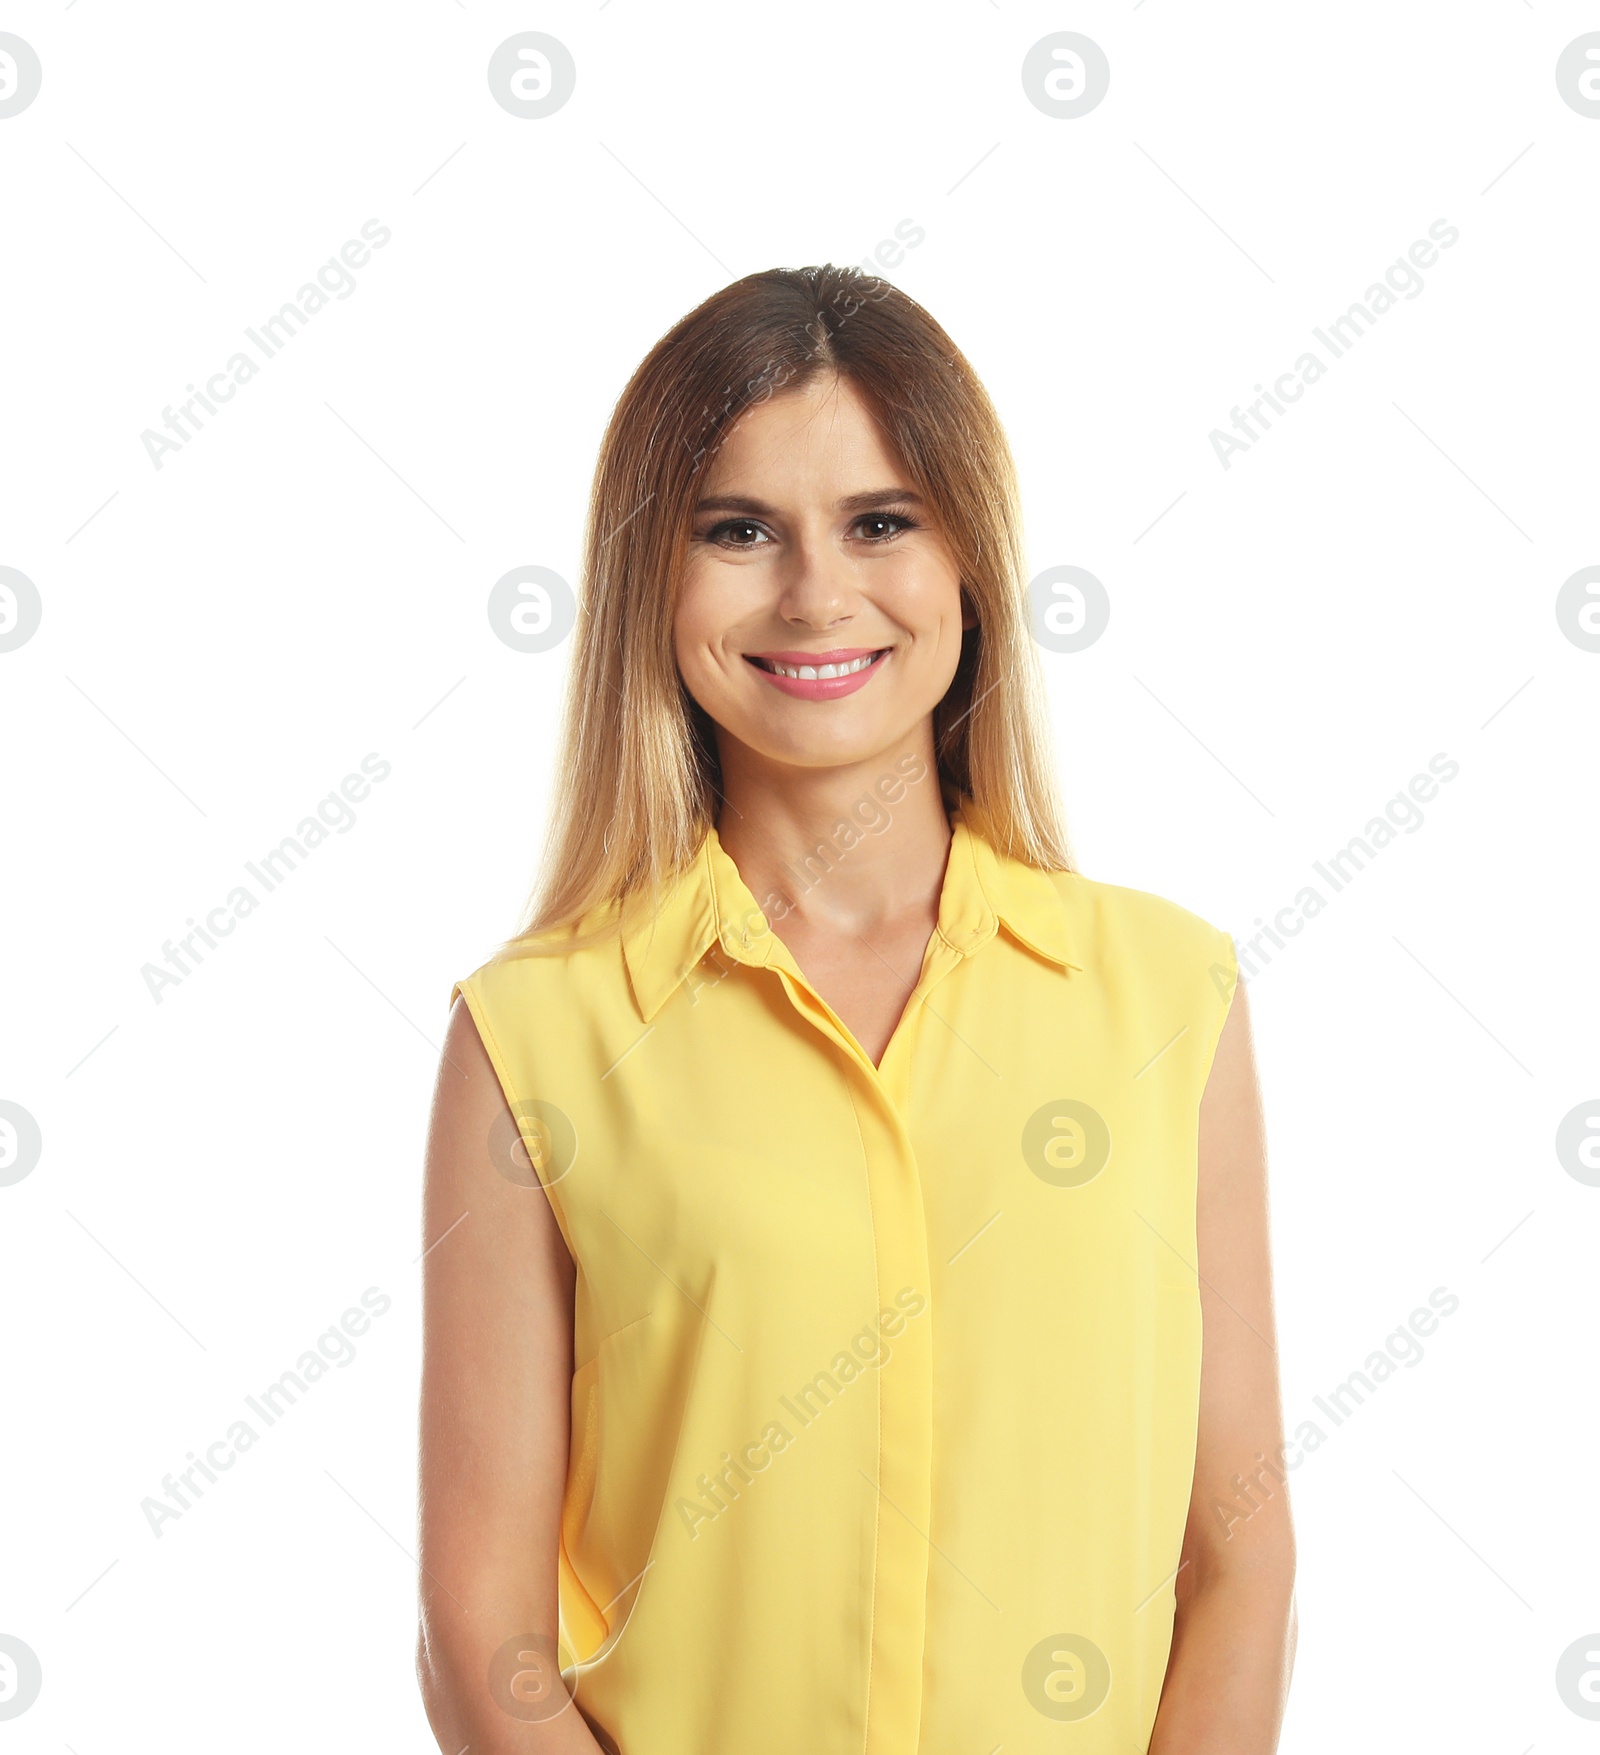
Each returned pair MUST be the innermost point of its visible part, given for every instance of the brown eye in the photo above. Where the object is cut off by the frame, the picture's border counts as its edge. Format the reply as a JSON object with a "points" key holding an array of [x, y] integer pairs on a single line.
{"points": [[896, 519], [719, 533]]}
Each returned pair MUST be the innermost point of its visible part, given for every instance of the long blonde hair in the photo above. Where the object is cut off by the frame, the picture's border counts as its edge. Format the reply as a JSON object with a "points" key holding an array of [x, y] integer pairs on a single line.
{"points": [[639, 779]]}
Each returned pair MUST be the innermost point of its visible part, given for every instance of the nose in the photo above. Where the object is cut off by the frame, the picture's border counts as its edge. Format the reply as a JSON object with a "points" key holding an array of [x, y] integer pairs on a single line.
{"points": [[819, 589]]}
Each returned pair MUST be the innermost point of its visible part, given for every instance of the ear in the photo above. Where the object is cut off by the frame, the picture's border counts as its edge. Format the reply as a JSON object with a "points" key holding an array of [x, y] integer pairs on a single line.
{"points": [[969, 615]]}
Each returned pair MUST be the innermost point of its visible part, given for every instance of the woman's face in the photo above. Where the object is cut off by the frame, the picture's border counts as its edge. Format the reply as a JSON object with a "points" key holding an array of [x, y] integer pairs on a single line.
{"points": [[808, 549]]}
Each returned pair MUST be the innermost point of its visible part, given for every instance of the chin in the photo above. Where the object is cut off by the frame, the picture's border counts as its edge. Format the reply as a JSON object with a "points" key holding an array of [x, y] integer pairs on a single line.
{"points": [[860, 744]]}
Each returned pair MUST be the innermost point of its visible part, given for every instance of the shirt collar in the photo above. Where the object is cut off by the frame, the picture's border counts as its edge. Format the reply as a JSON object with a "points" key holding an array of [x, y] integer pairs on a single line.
{"points": [[709, 903]]}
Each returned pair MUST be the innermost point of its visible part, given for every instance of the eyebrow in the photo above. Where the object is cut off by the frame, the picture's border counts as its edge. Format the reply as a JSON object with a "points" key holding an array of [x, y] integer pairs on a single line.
{"points": [[851, 502]]}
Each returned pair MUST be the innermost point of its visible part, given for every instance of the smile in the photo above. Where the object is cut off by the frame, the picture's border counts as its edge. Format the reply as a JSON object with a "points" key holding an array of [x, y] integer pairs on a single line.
{"points": [[822, 676]]}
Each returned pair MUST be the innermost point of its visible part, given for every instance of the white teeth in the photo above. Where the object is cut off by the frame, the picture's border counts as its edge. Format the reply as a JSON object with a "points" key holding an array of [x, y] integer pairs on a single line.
{"points": [[811, 672]]}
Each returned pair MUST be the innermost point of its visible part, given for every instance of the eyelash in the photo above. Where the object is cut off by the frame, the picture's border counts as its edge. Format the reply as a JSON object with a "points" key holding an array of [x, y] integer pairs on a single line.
{"points": [[901, 518]]}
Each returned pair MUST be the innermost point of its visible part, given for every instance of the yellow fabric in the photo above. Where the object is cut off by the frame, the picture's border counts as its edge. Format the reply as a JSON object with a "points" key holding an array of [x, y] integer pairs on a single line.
{"points": [[886, 1381]]}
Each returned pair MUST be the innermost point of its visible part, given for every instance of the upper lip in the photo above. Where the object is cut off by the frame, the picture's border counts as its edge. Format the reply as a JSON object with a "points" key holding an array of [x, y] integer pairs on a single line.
{"points": [[840, 655]]}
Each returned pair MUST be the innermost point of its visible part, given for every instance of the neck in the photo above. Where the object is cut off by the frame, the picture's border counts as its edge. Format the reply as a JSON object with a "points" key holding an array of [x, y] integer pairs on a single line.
{"points": [[843, 848]]}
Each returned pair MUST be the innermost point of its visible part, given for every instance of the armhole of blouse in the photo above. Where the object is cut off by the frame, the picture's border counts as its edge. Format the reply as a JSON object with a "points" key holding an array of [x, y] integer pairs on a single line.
{"points": [[1222, 980], [469, 992]]}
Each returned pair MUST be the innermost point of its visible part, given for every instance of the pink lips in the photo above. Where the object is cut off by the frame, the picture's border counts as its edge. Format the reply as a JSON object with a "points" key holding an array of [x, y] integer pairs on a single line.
{"points": [[822, 688]]}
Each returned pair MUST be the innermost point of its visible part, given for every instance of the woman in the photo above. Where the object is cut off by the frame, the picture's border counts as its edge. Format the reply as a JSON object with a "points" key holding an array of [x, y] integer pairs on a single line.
{"points": [[826, 1189]]}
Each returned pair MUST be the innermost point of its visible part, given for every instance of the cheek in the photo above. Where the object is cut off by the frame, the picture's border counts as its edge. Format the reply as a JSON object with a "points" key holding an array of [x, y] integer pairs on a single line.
{"points": [[706, 613], [692, 621], [930, 606]]}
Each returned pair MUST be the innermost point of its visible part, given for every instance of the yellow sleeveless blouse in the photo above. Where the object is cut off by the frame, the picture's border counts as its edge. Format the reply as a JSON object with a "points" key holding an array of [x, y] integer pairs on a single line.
{"points": [[886, 1379]]}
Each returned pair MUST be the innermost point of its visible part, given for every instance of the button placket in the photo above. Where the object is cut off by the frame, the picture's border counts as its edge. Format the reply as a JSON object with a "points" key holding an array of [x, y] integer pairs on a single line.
{"points": [[902, 1479]]}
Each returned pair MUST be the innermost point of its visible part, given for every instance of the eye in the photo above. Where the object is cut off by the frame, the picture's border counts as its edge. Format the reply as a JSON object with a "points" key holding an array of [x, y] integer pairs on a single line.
{"points": [[747, 533], [719, 533], [898, 519]]}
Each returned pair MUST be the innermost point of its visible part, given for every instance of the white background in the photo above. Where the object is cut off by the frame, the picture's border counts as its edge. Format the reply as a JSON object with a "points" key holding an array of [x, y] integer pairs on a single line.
{"points": [[1291, 639]]}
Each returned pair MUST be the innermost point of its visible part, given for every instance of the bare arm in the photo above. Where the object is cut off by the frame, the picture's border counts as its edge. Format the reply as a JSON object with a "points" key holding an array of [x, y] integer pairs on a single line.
{"points": [[1234, 1637], [496, 1387]]}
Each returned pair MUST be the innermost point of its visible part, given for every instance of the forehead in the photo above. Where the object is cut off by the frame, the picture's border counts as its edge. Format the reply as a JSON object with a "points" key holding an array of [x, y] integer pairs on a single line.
{"points": [[816, 437]]}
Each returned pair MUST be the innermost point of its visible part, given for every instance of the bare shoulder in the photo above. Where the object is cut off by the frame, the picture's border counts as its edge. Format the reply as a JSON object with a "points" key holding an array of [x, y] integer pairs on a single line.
{"points": [[467, 1091], [477, 1162], [1233, 1092]]}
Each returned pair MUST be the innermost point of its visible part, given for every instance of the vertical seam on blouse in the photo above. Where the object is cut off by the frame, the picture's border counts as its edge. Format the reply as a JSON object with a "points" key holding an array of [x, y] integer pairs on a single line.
{"points": [[877, 1485]]}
